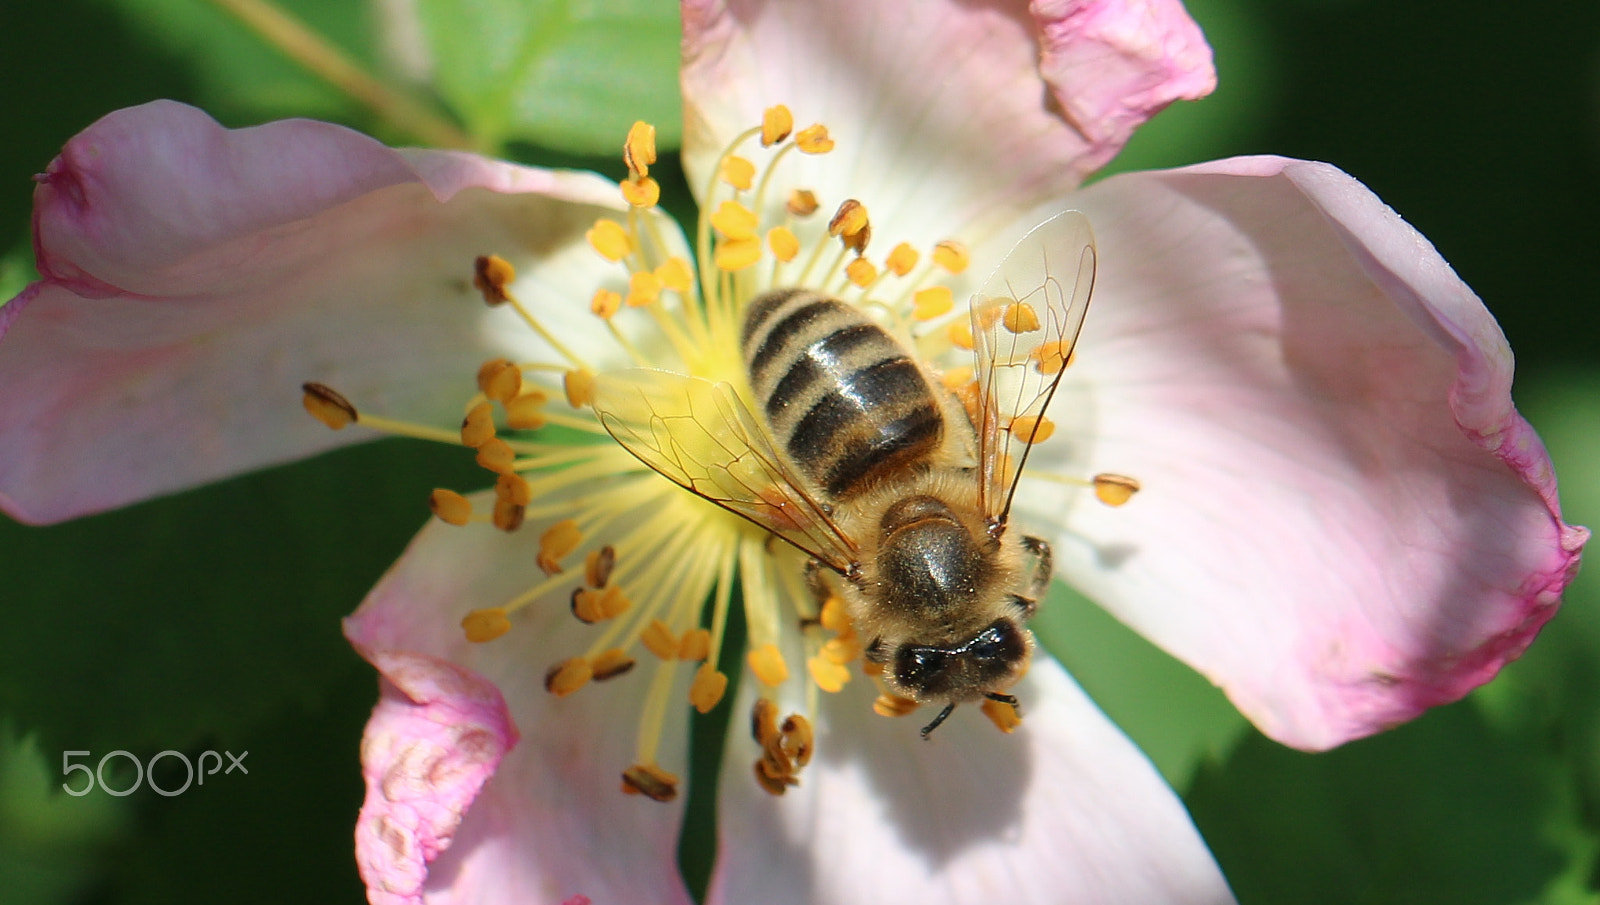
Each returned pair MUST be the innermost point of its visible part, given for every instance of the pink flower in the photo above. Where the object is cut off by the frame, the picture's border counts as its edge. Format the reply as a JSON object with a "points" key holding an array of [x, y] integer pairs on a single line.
{"points": [[1343, 519]]}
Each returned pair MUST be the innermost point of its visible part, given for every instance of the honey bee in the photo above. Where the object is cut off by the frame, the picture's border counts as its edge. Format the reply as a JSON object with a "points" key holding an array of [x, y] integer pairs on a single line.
{"points": [[853, 451]]}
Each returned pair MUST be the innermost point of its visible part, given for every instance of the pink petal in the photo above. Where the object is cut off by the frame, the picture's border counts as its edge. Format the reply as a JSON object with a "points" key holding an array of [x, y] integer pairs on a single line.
{"points": [[1344, 520], [1064, 811], [435, 737], [194, 277], [941, 112], [553, 819]]}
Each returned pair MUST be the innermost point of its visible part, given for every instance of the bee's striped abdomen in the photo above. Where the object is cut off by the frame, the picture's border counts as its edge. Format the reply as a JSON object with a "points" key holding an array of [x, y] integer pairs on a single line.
{"points": [[841, 396]]}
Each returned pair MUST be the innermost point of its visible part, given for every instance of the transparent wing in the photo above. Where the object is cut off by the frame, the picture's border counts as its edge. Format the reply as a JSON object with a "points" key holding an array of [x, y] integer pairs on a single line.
{"points": [[702, 437], [1025, 323]]}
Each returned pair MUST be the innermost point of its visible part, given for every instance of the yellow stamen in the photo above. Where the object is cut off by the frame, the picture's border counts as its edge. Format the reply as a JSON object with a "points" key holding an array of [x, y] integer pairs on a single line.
{"points": [[327, 406], [958, 377], [500, 379], [861, 272], [658, 639], [1004, 716], [579, 387], [452, 508], [491, 274], [639, 150], [694, 645], [485, 625], [1032, 428], [1020, 317], [674, 274], [737, 254], [508, 516], [477, 428], [772, 779], [707, 689], [1115, 489], [798, 739], [555, 543], [650, 781], [783, 242], [514, 488], [610, 664], [641, 192], [776, 124], [526, 412], [935, 301], [891, 704], [961, 335], [734, 220], [643, 289], [833, 616], [497, 456], [767, 663], [738, 172], [952, 256], [568, 676], [1051, 357], [841, 650], [802, 203], [849, 221], [829, 676], [902, 259], [610, 239], [597, 566], [814, 139]]}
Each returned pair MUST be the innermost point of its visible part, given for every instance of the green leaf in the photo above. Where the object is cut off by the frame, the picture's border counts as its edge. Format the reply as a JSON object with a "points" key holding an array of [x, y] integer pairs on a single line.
{"points": [[570, 76]]}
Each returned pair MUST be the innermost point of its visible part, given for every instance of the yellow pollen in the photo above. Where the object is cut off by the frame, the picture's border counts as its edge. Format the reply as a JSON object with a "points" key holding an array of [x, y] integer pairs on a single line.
{"points": [[738, 172], [556, 542], [586, 607], [961, 335], [802, 203], [814, 139], [772, 778], [1004, 716], [658, 639], [485, 625], [849, 219], [639, 150], [798, 739], [452, 508], [609, 664], [597, 566], [833, 616], [500, 379], [327, 406], [1032, 428], [1115, 489], [508, 515], [783, 242], [829, 676], [641, 192], [694, 645], [890, 704], [902, 259], [491, 274], [568, 676], [861, 272], [609, 239], [776, 124], [496, 455], [957, 377], [514, 488], [935, 301], [952, 256], [477, 428], [1051, 357], [707, 689], [579, 387], [734, 220], [650, 781], [643, 289], [1020, 318], [767, 663], [764, 723], [526, 412], [737, 254], [674, 274]]}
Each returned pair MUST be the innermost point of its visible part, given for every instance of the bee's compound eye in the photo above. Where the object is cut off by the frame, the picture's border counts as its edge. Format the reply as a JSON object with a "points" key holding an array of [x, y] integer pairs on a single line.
{"points": [[921, 668]]}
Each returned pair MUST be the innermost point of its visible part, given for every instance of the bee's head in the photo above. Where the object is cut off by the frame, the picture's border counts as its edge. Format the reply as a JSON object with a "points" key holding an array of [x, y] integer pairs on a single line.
{"points": [[990, 661]]}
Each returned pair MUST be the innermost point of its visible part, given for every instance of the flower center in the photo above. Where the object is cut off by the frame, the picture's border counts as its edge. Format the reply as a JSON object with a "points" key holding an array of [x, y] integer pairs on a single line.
{"points": [[652, 569]]}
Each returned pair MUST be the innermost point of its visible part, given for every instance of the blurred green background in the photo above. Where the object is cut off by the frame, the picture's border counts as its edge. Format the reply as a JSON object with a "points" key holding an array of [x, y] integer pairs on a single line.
{"points": [[210, 621]]}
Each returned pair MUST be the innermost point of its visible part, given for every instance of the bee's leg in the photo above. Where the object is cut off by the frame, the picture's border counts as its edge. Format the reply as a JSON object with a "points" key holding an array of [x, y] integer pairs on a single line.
{"points": [[943, 715], [1044, 565]]}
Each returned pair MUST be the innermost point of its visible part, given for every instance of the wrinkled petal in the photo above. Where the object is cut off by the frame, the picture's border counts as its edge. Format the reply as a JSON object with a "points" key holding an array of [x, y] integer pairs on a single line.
{"points": [[1343, 519], [194, 277], [553, 820], [942, 115], [435, 737], [1062, 812]]}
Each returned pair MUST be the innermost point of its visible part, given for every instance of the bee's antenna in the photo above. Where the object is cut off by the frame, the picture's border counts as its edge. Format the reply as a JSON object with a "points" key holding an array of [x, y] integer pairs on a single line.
{"points": [[943, 714]]}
